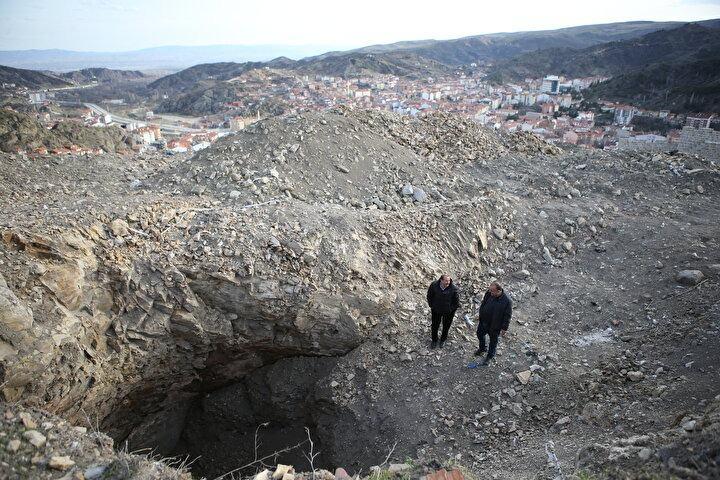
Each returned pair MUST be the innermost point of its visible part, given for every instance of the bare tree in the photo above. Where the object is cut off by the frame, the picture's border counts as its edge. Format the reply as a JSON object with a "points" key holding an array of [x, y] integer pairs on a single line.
{"points": [[310, 456]]}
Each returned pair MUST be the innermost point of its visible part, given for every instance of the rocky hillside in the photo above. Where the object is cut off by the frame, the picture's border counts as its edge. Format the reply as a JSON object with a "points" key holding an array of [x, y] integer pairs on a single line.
{"points": [[670, 69], [215, 305], [495, 47], [685, 87], [19, 131], [213, 96], [189, 77], [29, 78], [100, 75], [355, 64], [677, 46]]}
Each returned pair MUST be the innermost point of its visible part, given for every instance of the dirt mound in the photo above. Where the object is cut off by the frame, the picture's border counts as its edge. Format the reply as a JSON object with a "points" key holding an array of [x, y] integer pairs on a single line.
{"points": [[191, 319], [361, 159], [445, 137], [21, 132]]}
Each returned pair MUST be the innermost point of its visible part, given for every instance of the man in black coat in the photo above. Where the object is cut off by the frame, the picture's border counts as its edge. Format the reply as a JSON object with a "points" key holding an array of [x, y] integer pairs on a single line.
{"points": [[494, 319], [443, 298]]}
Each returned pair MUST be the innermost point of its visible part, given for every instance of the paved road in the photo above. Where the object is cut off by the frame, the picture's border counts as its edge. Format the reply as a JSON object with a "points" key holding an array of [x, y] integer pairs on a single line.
{"points": [[126, 120]]}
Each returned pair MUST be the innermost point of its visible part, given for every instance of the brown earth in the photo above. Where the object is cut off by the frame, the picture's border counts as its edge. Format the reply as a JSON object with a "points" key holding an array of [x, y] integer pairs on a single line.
{"points": [[279, 277]]}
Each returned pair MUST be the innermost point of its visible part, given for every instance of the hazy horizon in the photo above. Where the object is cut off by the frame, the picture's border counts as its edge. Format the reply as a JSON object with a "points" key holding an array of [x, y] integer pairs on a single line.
{"points": [[108, 26]]}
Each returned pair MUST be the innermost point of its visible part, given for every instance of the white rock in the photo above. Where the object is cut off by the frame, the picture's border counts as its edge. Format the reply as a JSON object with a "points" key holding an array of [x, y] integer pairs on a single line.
{"points": [[645, 454], [398, 467], [35, 438], [524, 376], [407, 190], [60, 462], [562, 421], [281, 470], [500, 233], [119, 227]]}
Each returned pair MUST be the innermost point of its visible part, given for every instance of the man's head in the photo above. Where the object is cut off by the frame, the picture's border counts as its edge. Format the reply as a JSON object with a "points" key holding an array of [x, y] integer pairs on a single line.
{"points": [[495, 289], [445, 280]]}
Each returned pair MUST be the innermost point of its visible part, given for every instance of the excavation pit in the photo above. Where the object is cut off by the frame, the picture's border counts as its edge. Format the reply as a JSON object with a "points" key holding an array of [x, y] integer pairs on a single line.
{"points": [[270, 417]]}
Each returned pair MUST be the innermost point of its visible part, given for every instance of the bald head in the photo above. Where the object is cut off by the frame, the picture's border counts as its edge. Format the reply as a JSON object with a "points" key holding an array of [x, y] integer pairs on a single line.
{"points": [[495, 289]]}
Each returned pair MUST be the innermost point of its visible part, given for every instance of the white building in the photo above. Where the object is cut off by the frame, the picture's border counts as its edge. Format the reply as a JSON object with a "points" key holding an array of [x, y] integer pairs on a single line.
{"points": [[37, 97], [551, 85]]}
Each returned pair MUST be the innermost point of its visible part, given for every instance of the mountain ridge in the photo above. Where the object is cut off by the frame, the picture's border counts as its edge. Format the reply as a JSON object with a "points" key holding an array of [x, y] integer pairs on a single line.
{"points": [[173, 57]]}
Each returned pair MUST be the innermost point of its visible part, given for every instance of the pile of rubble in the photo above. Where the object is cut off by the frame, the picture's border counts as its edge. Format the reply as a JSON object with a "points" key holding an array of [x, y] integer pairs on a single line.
{"points": [[688, 449], [440, 137], [139, 291], [35, 444], [360, 159]]}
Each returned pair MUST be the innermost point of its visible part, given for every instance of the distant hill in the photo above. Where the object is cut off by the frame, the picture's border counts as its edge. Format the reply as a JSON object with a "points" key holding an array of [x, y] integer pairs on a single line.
{"points": [[501, 46], [681, 44], [692, 86], [205, 89], [212, 96], [677, 69], [101, 75], [157, 58], [29, 78], [19, 131], [488, 47], [356, 64], [203, 93], [420, 58], [189, 78]]}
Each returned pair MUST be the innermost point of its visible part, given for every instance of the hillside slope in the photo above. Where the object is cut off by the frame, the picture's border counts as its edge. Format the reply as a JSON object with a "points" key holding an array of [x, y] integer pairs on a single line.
{"points": [[101, 75], [29, 78], [19, 131], [681, 45]]}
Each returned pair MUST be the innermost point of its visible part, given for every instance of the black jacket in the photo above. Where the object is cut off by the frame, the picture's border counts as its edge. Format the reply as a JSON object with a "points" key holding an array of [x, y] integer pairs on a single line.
{"points": [[443, 301], [495, 313]]}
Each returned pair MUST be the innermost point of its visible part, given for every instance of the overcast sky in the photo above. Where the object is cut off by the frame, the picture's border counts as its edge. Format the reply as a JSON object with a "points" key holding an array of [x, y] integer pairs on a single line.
{"points": [[110, 25]]}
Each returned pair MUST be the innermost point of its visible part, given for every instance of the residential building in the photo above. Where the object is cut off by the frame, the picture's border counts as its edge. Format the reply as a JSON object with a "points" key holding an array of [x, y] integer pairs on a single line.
{"points": [[624, 114], [551, 85], [699, 120]]}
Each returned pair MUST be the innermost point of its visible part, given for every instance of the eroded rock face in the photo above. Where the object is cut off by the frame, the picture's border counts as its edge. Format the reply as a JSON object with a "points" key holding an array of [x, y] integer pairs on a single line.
{"points": [[130, 329]]}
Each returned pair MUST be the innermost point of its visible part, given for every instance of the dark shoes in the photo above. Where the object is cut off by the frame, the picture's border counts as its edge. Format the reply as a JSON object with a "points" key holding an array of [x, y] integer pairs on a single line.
{"points": [[480, 352], [442, 343], [433, 344], [487, 362]]}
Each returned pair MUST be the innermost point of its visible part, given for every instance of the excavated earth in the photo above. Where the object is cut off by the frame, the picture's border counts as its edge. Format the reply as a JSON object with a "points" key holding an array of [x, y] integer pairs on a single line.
{"points": [[214, 306]]}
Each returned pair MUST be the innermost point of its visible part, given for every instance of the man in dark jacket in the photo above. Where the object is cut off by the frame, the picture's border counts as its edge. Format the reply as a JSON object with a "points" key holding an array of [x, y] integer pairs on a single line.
{"points": [[494, 319], [443, 299]]}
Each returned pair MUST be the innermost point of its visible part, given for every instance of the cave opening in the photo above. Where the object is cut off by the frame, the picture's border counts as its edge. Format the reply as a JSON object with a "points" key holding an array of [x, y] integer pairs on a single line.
{"points": [[267, 418]]}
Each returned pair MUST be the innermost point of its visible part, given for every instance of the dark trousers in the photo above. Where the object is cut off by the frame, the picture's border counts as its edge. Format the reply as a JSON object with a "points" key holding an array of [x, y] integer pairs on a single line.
{"points": [[482, 330], [446, 319]]}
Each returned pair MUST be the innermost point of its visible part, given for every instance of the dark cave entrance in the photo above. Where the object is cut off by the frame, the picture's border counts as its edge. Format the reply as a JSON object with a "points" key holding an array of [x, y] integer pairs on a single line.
{"points": [[268, 411]]}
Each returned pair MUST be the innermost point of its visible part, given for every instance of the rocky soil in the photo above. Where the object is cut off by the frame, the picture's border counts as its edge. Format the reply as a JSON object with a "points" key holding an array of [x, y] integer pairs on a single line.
{"points": [[216, 305], [39, 445], [19, 131]]}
